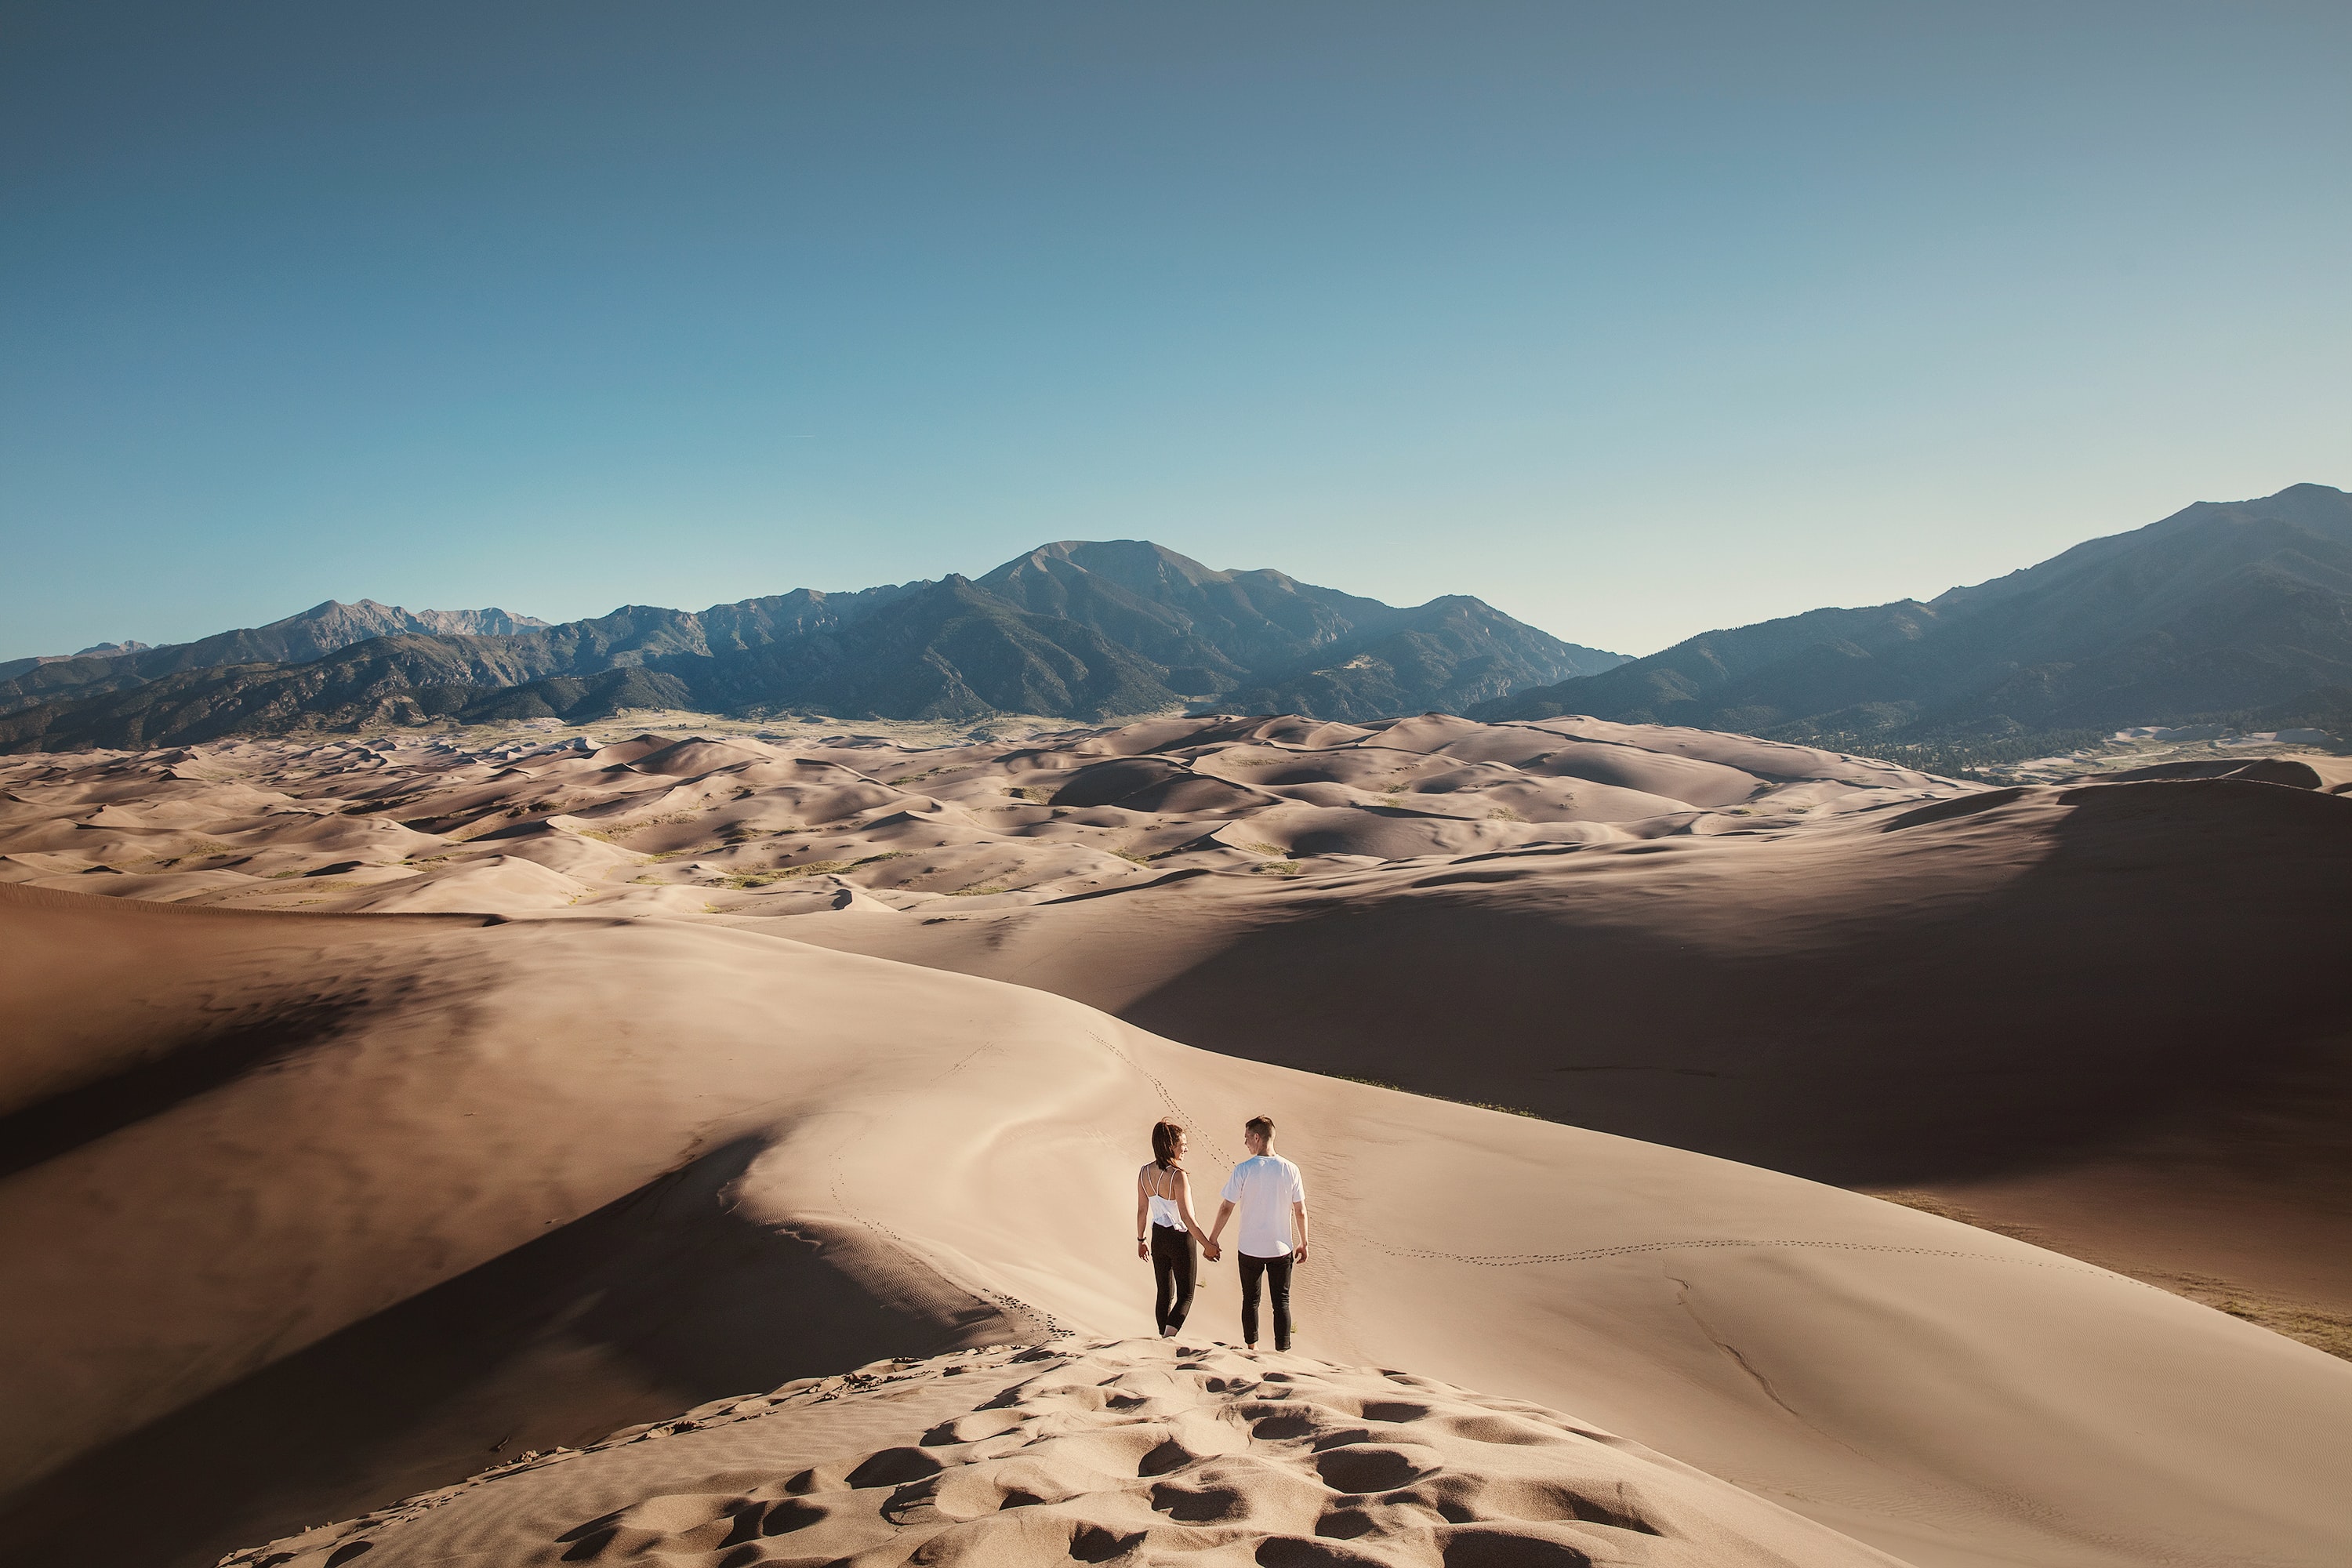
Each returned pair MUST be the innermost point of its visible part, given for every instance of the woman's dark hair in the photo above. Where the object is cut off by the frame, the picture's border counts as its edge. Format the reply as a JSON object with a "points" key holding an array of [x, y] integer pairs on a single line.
{"points": [[1163, 1143]]}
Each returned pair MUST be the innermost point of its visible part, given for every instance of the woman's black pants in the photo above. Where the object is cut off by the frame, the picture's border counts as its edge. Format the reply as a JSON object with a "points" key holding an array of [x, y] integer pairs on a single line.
{"points": [[1171, 1266], [1276, 1274]]}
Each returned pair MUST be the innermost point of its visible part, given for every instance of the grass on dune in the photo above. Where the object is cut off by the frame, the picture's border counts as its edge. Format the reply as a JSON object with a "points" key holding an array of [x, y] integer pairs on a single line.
{"points": [[2319, 1329]]}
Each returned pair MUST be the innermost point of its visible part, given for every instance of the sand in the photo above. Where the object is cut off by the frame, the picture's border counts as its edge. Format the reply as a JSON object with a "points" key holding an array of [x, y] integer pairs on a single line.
{"points": [[313, 1211], [737, 824], [1134, 1449], [2112, 1011], [380, 1201]]}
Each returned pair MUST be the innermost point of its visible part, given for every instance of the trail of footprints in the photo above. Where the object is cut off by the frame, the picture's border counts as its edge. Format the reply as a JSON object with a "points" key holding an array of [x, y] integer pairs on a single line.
{"points": [[1146, 1451]]}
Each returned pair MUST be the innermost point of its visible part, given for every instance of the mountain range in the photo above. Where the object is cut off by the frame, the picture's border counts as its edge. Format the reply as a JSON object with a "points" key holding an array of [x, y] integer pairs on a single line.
{"points": [[2223, 610], [1076, 630], [2237, 610]]}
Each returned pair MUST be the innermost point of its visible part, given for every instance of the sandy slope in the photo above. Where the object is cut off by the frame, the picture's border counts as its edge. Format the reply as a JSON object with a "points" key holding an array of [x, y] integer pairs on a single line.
{"points": [[1134, 1450], [378, 1201], [2116, 1011]]}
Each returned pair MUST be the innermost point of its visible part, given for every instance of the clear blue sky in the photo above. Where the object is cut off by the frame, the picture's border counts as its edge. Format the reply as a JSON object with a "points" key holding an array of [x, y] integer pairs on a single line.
{"points": [[1633, 320]]}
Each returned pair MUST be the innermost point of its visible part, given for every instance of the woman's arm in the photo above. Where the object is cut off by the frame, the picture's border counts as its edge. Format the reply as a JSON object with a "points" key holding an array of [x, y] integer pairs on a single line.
{"points": [[1184, 1208], [1142, 1217]]}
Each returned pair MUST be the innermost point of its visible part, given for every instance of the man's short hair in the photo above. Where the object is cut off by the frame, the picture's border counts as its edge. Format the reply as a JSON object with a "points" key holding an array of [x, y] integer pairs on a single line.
{"points": [[1261, 1125]]}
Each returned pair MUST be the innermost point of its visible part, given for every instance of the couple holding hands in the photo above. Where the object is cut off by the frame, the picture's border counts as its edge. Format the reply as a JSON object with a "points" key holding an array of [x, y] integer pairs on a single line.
{"points": [[1265, 1190]]}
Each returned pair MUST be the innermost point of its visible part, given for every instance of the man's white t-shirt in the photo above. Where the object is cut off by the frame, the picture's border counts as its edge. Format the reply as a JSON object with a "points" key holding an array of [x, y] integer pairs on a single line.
{"points": [[1261, 1190]]}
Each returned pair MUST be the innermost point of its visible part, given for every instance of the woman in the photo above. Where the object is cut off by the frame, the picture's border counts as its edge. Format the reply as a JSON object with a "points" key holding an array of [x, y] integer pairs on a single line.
{"points": [[1164, 1225]]}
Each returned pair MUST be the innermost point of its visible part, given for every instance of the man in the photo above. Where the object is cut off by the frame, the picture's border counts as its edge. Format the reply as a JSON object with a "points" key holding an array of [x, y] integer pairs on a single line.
{"points": [[1273, 1235]]}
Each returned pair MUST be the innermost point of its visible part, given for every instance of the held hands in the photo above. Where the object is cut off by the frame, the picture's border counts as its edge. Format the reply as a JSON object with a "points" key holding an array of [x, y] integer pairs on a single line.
{"points": [[1212, 1249]]}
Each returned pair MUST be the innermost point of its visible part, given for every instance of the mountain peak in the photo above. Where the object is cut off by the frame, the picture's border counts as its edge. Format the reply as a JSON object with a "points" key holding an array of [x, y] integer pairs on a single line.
{"points": [[367, 618], [1134, 563]]}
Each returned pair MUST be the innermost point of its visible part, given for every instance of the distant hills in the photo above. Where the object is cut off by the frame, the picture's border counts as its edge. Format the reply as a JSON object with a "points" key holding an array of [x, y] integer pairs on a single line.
{"points": [[11, 669], [2239, 610], [1078, 629], [313, 633]]}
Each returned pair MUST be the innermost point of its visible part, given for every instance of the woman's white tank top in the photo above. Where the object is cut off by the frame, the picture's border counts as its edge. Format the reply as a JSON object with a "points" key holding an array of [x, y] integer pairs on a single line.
{"points": [[1164, 1212]]}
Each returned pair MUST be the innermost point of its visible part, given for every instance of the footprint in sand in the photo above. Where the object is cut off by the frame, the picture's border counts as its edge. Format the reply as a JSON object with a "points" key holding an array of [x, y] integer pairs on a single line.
{"points": [[1146, 1451]]}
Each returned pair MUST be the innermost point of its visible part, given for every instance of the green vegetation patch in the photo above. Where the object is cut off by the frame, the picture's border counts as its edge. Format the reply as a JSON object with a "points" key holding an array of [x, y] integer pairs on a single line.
{"points": [[1450, 1100], [811, 868], [1978, 758], [2320, 1329], [671, 820]]}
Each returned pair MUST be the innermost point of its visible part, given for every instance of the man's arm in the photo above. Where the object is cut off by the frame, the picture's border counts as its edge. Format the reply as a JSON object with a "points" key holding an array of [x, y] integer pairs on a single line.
{"points": [[1224, 1213], [1298, 1219]]}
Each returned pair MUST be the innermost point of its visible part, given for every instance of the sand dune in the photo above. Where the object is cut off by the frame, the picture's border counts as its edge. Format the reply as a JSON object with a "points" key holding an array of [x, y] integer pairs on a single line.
{"points": [[2111, 949], [2102, 1014], [332, 1211], [656, 823], [2111, 1012]]}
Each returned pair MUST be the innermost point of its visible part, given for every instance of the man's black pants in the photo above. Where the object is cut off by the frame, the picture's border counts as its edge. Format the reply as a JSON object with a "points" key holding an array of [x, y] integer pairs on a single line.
{"points": [[1276, 1271]]}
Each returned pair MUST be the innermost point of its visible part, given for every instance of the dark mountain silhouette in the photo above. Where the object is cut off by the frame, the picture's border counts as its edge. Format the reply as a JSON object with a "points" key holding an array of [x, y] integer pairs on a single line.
{"points": [[2221, 610], [1076, 630], [1178, 612], [1264, 642], [12, 667], [315, 633]]}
